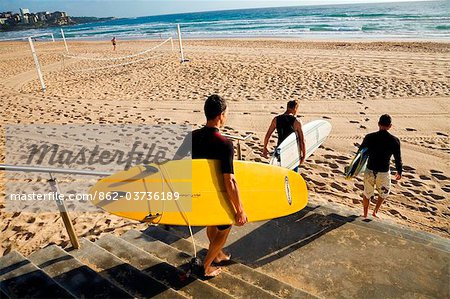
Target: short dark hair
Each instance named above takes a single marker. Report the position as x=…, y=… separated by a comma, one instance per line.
x=292, y=104
x=214, y=106
x=385, y=120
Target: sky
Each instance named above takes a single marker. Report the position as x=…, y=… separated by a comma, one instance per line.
x=136, y=8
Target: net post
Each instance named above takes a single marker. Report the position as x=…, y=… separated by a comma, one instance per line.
x=64, y=39
x=53, y=37
x=182, y=59
x=63, y=212
x=36, y=62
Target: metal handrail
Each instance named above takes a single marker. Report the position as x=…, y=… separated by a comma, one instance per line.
x=55, y=188
x=10, y=167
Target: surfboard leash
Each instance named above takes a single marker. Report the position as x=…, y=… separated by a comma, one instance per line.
x=195, y=262
x=167, y=179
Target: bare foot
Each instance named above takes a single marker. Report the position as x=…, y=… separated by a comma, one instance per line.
x=212, y=271
x=363, y=216
x=222, y=257
x=376, y=216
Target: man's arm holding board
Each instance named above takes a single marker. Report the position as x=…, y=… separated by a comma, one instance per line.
x=272, y=128
x=231, y=185
x=301, y=138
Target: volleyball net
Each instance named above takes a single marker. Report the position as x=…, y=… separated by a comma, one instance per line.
x=93, y=62
x=82, y=56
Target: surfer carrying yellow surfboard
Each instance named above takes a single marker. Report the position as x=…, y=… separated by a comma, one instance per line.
x=286, y=124
x=381, y=146
x=208, y=143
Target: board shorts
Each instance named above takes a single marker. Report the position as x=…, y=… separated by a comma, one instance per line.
x=380, y=180
x=223, y=227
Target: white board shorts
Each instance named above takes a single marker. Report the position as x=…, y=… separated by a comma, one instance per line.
x=380, y=180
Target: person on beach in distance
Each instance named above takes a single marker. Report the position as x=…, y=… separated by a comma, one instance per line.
x=381, y=146
x=113, y=41
x=208, y=143
x=286, y=124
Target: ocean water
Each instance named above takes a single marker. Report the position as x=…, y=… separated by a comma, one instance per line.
x=410, y=20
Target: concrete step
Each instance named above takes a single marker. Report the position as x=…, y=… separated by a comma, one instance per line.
x=159, y=269
x=128, y=277
x=344, y=214
x=74, y=276
x=19, y=278
x=330, y=256
x=225, y=281
x=236, y=269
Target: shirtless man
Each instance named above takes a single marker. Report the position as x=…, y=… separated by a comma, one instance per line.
x=113, y=41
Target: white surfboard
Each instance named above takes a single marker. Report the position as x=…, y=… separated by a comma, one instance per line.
x=358, y=165
x=287, y=153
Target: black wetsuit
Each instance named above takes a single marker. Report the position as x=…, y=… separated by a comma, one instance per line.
x=381, y=146
x=207, y=143
x=285, y=126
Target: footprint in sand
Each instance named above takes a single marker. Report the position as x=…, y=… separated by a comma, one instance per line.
x=445, y=189
x=436, y=197
x=354, y=122
x=338, y=187
x=424, y=177
x=333, y=165
x=326, y=117
x=441, y=134
x=394, y=212
x=411, y=130
x=408, y=168
x=425, y=210
x=359, y=186
x=356, y=201
x=440, y=176
x=416, y=183
x=317, y=183
x=416, y=191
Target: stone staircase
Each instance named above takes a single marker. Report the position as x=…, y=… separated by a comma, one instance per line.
x=137, y=264
x=323, y=250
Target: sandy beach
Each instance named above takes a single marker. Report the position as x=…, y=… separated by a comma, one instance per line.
x=347, y=83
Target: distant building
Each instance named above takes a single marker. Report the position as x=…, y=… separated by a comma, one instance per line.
x=16, y=18
x=58, y=14
x=7, y=14
x=24, y=12
x=42, y=15
x=32, y=18
x=26, y=19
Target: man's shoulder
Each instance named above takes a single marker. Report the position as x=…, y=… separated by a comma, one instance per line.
x=372, y=135
x=395, y=138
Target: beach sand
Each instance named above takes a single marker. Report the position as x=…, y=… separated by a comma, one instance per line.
x=349, y=84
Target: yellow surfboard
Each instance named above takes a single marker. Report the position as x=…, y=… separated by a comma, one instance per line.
x=183, y=192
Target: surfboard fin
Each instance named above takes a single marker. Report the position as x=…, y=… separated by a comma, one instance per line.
x=151, y=217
